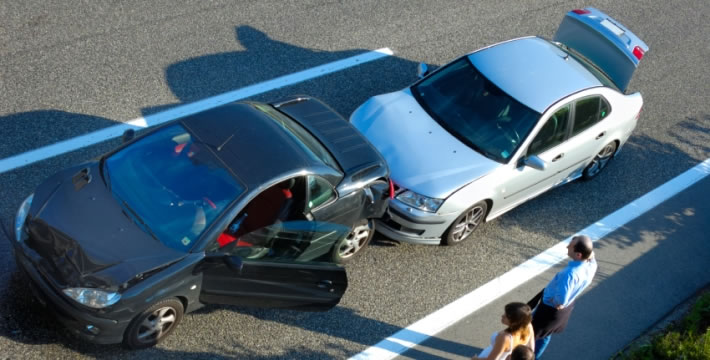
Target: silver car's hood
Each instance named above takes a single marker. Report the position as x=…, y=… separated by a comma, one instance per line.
x=422, y=156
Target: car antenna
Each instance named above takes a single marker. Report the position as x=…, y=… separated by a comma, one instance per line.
x=219, y=148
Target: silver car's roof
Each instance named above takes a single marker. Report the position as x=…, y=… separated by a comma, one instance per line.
x=533, y=71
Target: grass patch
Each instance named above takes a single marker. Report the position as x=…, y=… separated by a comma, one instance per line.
x=689, y=339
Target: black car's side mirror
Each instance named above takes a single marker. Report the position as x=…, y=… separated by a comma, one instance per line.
x=535, y=162
x=128, y=135
x=422, y=70
x=234, y=262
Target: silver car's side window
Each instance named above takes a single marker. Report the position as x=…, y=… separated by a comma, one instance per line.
x=588, y=111
x=552, y=133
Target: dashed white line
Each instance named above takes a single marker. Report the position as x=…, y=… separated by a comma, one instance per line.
x=439, y=320
x=32, y=156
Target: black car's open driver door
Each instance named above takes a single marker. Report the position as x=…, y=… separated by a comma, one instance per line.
x=284, y=265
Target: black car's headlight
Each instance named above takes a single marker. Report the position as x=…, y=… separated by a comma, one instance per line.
x=94, y=298
x=22, y=216
x=420, y=202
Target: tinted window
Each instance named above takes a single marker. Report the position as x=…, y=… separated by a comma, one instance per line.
x=586, y=114
x=552, y=133
x=475, y=111
x=320, y=192
x=172, y=186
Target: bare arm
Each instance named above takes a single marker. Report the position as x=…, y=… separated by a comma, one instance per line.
x=531, y=340
x=503, y=341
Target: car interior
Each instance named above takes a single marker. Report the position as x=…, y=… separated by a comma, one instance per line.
x=259, y=230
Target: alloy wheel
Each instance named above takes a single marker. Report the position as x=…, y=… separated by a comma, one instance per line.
x=468, y=223
x=156, y=324
x=354, y=241
x=601, y=160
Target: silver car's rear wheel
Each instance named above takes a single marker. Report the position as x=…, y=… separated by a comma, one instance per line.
x=465, y=224
x=600, y=161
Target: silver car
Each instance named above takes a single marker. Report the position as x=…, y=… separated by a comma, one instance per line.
x=499, y=126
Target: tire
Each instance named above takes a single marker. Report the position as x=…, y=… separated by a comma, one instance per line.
x=465, y=224
x=360, y=235
x=600, y=161
x=143, y=332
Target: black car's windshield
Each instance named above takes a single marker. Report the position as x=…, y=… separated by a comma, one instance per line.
x=475, y=110
x=172, y=186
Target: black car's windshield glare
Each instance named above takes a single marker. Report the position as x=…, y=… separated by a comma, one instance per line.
x=174, y=186
x=475, y=110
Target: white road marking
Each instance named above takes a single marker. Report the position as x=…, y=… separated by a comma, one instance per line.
x=437, y=321
x=32, y=156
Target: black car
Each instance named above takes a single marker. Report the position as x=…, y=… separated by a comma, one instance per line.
x=247, y=204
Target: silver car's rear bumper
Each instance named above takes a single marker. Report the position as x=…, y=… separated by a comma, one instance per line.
x=406, y=224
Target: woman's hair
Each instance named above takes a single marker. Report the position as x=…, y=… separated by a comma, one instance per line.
x=519, y=315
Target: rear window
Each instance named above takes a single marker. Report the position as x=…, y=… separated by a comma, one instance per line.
x=598, y=73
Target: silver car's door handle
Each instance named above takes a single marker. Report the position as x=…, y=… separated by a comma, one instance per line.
x=600, y=135
x=560, y=156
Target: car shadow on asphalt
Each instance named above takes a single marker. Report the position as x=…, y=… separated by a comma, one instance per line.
x=46, y=127
x=643, y=164
x=27, y=321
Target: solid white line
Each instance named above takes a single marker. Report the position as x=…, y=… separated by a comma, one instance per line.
x=437, y=321
x=29, y=157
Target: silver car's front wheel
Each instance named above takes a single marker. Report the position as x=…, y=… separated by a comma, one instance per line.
x=465, y=224
x=600, y=161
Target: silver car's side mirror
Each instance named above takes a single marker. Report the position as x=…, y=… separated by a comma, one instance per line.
x=535, y=162
x=422, y=70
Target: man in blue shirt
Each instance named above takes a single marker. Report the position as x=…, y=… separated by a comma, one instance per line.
x=553, y=312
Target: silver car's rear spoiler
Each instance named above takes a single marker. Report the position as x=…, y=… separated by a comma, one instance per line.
x=604, y=41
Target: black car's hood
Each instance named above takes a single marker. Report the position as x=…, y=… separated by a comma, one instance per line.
x=83, y=236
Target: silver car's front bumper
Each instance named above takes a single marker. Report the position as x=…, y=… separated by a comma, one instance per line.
x=406, y=224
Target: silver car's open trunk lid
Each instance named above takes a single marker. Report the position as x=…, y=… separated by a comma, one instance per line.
x=604, y=41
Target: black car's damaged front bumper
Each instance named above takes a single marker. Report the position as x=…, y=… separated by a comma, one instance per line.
x=80, y=322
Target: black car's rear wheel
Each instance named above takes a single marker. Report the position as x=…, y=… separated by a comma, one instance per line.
x=465, y=224
x=600, y=161
x=153, y=324
x=354, y=242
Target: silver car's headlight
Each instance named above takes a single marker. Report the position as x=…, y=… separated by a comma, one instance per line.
x=21, y=216
x=420, y=202
x=94, y=298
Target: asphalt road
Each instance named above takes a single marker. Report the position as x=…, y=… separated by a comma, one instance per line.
x=71, y=68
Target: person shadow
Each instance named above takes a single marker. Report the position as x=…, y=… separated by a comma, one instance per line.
x=264, y=58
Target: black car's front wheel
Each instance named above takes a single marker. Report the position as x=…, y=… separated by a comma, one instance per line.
x=354, y=242
x=600, y=161
x=465, y=224
x=153, y=324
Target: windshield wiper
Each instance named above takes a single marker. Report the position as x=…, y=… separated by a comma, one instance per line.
x=138, y=220
x=480, y=150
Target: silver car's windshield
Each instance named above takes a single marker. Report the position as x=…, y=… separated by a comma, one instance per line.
x=475, y=110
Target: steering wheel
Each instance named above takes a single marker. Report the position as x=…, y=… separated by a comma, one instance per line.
x=507, y=130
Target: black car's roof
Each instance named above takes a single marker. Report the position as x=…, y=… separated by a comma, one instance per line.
x=250, y=143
